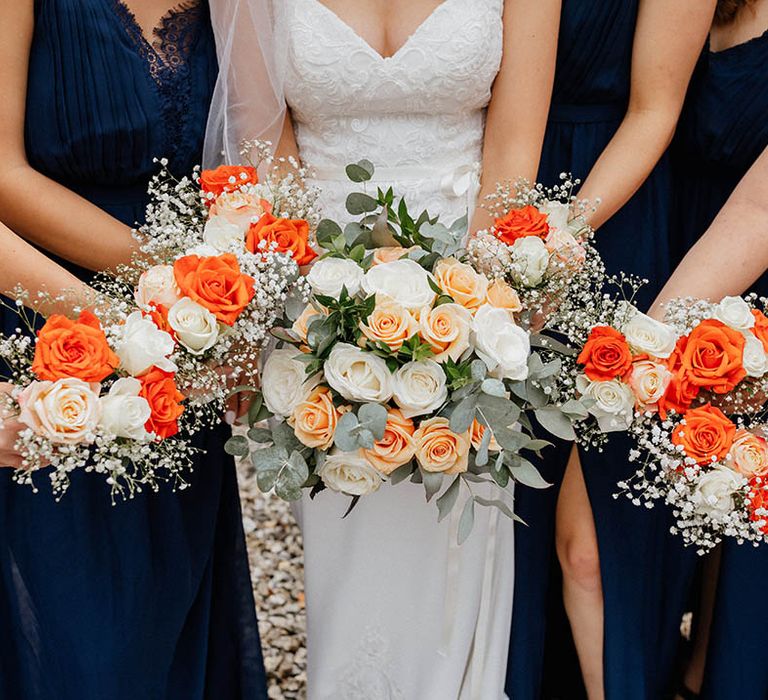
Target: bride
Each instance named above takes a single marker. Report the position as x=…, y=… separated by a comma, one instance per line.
x=433, y=93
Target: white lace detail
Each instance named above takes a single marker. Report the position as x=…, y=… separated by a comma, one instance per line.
x=424, y=106
x=370, y=673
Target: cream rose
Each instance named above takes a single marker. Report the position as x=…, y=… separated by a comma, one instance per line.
x=558, y=214
x=238, y=208
x=713, y=494
x=531, y=259
x=357, y=375
x=404, y=281
x=157, y=285
x=142, y=345
x=124, y=413
x=196, y=327
x=396, y=448
x=328, y=276
x=649, y=380
x=748, y=455
x=647, y=335
x=446, y=329
x=614, y=403
x=314, y=419
x=223, y=236
x=65, y=412
x=389, y=323
x=460, y=281
x=439, y=449
x=501, y=344
x=350, y=473
x=735, y=313
x=203, y=251
x=419, y=388
x=755, y=360
x=284, y=382
x=502, y=296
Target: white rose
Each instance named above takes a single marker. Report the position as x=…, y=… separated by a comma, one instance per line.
x=531, y=259
x=500, y=343
x=142, y=345
x=614, y=403
x=647, y=335
x=755, y=360
x=328, y=276
x=404, y=281
x=735, y=312
x=350, y=473
x=649, y=380
x=284, y=382
x=358, y=375
x=558, y=214
x=65, y=411
x=419, y=388
x=713, y=494
x=222, y=235
x=196, y=327
x=203, y=251
x=158, y=285
x=123, y=412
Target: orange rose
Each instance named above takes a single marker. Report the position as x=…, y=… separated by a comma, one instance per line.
x=77, y=349
x=711, y=356
x=158, y=314
x=396, y=448
x=227, y=178
x=606, y=355
x=216, y=283
x=705, y=433
x=758, y=500
x=314, y=420
x=164, y=399
x=678, y=397
x=760, y=328
x=439, y=450
x=289, y=235
x=519, y=223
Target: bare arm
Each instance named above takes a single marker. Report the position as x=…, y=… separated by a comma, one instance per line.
x=35, y=206
x=733, y=252
x=517, y=113
x=668, y=40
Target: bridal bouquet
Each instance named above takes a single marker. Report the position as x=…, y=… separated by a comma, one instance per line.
x=705, y=452
x=220, y=257
x=96, y=396
x=407, y=362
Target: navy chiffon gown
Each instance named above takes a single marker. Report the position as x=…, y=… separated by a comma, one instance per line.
x=722, y=131
x=645, y=571
x=150, y=598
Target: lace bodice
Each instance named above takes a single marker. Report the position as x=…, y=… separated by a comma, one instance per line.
x=417, y=115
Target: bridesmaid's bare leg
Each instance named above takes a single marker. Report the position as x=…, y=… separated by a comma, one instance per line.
x=582, y=587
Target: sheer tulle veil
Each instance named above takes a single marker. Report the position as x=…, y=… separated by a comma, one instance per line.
x=248, y=100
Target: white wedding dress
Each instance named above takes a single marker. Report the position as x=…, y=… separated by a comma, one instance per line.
x=396, y=609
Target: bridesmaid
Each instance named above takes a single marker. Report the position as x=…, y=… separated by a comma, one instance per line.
x=722, y=132
x=150, y=598
x=622, y=70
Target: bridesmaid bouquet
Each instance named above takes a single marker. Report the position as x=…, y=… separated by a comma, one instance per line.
x=98, y=397
x=407, y=362
x=220, y=258
x=705, y=452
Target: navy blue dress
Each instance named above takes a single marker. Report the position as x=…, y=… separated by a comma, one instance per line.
x=722, y=131
x=150, y=598
x=644, y=570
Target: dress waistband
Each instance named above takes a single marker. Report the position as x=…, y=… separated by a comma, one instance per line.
x=587, y=113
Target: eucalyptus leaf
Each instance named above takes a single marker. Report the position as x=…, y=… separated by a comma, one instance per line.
x=482, y=451
x=548, y=343
x=501, y=505
x=260, y=435
x=463, y=415
x=237, y=446
x=373, y=416
x=467, y=520
x=359, y=203
x=283, y=436
x=432, y=483
x=327, y=230
x=525, y=473
x=268, y=463
x=556, y=422
x=401, y=474
x=365, y=438
x=357, y=173
x=447, y=501
x=291, y=477
x=494, y=387
x=345, y=437
x=575, y=409
x=479, y=370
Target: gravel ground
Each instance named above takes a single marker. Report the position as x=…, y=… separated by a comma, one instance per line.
x=276, y=558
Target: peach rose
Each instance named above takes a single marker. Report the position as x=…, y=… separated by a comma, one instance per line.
x=502, y=296
x=520, y=223
x=79, y=349
x=389, y=254
x=649, y=380
x=446, y=328
x=396, y=448
x=227, y=178
x=439, y=449
x=476, y=433
x=705, y=434
x=389, y=323
x=288, y=236
x=460, y=281
x=748, y=455
x=240, y=208
x=301, y=324
x=605, y=355
x=314, y=420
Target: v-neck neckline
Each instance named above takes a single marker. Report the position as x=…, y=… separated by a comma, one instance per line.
x=411, y=37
